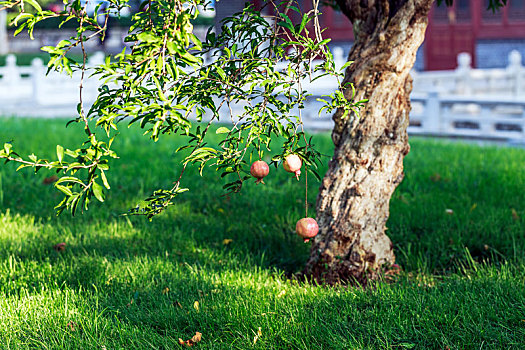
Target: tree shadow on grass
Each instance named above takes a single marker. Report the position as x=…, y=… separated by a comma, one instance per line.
x=203, y=229
x=260, y=221
x=262, y=228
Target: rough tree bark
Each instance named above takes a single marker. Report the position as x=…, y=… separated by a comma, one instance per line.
x=353, y=201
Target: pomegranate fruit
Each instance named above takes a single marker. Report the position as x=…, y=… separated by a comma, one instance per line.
x=307, y=228
x=292, y=164
x=259, y=170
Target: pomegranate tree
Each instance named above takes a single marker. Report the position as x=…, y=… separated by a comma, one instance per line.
x=178, y=79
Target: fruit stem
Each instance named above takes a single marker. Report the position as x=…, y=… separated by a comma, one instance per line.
x=305, y=191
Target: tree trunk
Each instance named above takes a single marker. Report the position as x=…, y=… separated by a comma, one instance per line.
x=353, y=201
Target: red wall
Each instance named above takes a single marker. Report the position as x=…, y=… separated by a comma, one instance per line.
x=451, y=30
x=456, y=29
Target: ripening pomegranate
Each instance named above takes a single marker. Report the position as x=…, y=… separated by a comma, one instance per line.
x=292, y=164
x=259, y=170
x=307, y=228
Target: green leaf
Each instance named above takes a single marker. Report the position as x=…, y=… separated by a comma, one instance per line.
x=159, y=89
x=60, y=153
x=324, y=42
x=304, y=21
x=35, y=4
x=73, y=203
x=286, y=25
x=148, y=37
x=196, y=42
x=173, y=48
x=7, y=148
x=21, y=16
x=222, y=130
x=104, y=179
x=286, y=18
x=346, y=65
x=64, y=190
x=97, y=191
x=69, y=179
x=188, y=57
x=221, y=73
x=71, y=153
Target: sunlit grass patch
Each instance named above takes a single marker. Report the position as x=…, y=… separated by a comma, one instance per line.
x=220, y=265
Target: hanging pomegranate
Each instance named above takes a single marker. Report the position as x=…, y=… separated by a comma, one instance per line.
x=307, y=228
x=292, y=164
x=259, y=170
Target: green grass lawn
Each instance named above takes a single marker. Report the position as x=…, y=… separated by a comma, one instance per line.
x=126, y=283
x=25, y=59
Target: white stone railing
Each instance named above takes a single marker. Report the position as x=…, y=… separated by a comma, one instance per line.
x=463, y=102
x=26, y=90
x=451, y=115
x=467, y=81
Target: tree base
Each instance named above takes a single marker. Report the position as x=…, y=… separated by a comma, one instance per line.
x=367, y=165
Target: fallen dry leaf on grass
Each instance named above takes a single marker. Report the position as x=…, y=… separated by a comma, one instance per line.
x=195, y=339
x=257, y=336
x=435, y=177
x=71, y=326
x=394, y=269
x=392, y=272
x=60, y=247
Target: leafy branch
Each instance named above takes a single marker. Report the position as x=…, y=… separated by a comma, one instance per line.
x=168, y=81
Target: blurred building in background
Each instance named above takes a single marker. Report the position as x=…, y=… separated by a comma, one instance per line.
x=467, y=26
